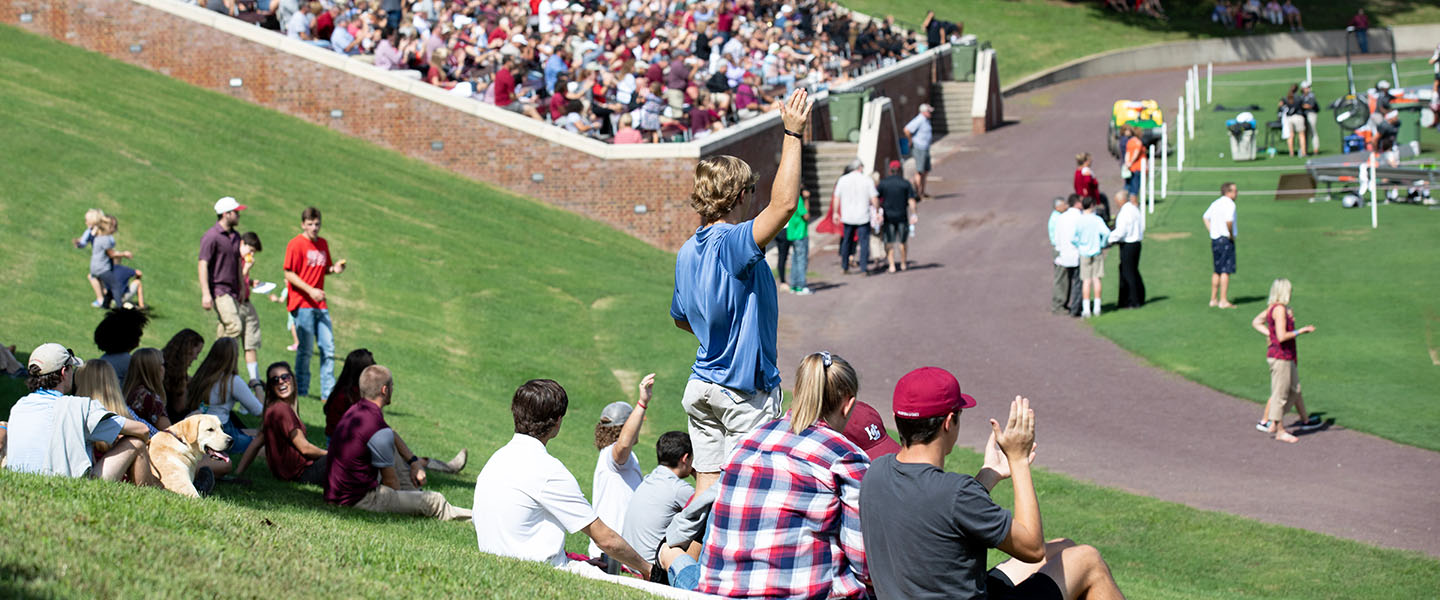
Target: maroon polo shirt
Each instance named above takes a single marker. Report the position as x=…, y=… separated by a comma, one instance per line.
x=349, y=474
x=220, y=249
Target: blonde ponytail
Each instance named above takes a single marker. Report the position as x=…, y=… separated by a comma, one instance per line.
x=822, y=383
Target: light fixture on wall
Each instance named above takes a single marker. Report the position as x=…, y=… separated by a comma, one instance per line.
x=26, y=17
x=537, y=177
x=336, y=113
x=641, y=209
x=235, y=82
x=136, y=48
x=437, y=145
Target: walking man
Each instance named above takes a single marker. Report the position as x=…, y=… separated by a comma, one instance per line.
x=729, y=304
x=856, y=195
x=919, y=133
x=897, y=201
x=307, y=261
x=1128, y=232
x=222, y=287
x=1220, y=222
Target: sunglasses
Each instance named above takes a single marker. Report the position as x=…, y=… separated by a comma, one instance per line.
x=281, y=377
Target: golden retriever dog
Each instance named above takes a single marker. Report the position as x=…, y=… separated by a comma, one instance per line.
x=176, y=452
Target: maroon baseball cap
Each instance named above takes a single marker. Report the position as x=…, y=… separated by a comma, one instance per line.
x=928, y=392
x=894, y=164
x=868, y=432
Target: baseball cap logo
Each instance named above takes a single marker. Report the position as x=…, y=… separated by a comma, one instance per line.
x=872, y=431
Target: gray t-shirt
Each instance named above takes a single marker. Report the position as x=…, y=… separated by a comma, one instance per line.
x=927, y=531
x=52, y=434
x=652, y=507
x=100, y=261
x=382, y=448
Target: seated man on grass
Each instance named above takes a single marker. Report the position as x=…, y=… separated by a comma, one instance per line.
x=53, y=433
x=362, y=466
x=525, y=499
x=661, y=496
x=927, y=531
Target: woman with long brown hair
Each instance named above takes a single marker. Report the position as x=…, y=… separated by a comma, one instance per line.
x=288, y=452
x=144, y=388
x=179, y=353
x=215, y=389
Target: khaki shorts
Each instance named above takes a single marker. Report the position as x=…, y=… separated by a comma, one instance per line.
x=1092, y=267
x=720, y=417
x=1284, y=387
x=237, y=320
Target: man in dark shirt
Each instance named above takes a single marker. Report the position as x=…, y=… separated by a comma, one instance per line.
x=897, y=201
x=927, y=531
x=936, y=31
x=221, y=287
x=362, y=466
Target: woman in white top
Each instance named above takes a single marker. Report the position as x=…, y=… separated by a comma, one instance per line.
x=214, y=390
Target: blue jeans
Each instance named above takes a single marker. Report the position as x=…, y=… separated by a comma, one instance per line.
x=847, y=246
x=1132, y=185
x=1362, y=38
x=239, y=442
x=684, y=573
x=312, y=325
x=801, y=248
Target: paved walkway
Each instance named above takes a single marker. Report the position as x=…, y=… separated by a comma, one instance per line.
x=977, y=304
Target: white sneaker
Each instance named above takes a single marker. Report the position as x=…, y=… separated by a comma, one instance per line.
x=805, y=291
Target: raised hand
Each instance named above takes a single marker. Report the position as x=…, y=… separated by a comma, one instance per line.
x=995, y=459
x=1018, y=438
x=647, y=385
x=796, y=111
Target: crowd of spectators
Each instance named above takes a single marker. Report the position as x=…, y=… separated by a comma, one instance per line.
x=625, y=71
x=1246, y=14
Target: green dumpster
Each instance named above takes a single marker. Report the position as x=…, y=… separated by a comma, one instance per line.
x=1409, y=125
x=845, y=111
x=963, y=55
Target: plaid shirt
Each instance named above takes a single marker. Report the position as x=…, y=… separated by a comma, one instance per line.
x=787, y=521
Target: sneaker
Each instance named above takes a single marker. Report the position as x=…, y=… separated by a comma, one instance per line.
x=1311, y=423
x=1263, y=426
x=292, y=347
x=804, y=291
x=204, y=481
x=97, y=303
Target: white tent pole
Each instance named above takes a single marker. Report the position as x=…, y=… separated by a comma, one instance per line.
x=1308, y=76
x=1374, y=206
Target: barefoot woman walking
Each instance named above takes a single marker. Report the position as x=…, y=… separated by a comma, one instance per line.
x=1277, y=323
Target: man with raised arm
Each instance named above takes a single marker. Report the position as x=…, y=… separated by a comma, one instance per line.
x=725, y=295
x=927, y=531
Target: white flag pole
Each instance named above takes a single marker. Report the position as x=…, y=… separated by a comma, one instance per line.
x=1209, y=83
x=1374, y=206
x=1164, y=161
x=1308, y=76
x=1141, y=191
x=1150, y=181
x=1180, y=138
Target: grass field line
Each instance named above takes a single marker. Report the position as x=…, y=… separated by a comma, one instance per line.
x=1291, y=80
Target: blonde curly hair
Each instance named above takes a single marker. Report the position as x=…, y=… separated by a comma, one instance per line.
x=720, y=183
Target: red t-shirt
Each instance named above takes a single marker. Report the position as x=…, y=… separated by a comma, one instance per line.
x=310, y=260
x=285, y=460
x=1085, y=183
x=324, y=25
x=504, y=87
x=655, y=72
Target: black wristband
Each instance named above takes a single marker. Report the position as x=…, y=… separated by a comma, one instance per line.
x=412, y=459
x=797, y=134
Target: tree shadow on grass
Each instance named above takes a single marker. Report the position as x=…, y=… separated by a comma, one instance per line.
x=13, y=579
x=1193, y=17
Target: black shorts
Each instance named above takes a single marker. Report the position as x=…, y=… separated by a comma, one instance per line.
x=1035, y=587
x=895, y=232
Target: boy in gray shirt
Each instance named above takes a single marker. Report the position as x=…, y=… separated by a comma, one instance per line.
x=660, y=496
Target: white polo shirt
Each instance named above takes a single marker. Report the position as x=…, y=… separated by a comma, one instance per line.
x=1221, y=211
x=1067, y=254
x=526, y=502
x=855, y=191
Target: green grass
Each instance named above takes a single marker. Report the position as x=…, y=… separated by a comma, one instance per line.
x=465, y=292
x=1033, y=35
x=1371, y=293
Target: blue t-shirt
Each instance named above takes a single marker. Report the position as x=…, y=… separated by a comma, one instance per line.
x=724, y=289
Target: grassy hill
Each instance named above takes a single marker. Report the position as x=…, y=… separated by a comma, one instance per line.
x=1033, y=35
x=466, y=292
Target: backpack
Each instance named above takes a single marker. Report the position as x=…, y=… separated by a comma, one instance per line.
x=717, y=83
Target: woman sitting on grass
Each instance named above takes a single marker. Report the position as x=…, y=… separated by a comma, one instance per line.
x=214, y=390
x=179, y=353
x=145, y=387
x=289, y=453
x=1277, y=323
x=96, y=380
x=347, y=388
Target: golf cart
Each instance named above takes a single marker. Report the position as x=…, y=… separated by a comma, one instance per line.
x=1144, y=115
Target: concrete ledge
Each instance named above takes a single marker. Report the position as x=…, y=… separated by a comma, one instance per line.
x=1252, y=48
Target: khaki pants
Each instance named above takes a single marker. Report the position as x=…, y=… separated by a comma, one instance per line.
x=237, y=320
x=383, y=499
x=1284, y=387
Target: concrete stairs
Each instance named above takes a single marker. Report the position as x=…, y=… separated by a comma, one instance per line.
x=822, y=164
x=952, y=110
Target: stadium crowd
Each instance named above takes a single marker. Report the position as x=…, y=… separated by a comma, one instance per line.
x=623, y=71
x=809, y=500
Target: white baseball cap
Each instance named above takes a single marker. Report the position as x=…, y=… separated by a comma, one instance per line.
x=227, y=204
x=615, y=412
x=52, y=357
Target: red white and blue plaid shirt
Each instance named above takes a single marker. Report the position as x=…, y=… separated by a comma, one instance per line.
x=786, y=523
